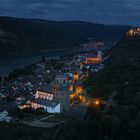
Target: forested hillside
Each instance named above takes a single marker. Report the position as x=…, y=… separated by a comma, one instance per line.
x=122, y=70
x=25, y=35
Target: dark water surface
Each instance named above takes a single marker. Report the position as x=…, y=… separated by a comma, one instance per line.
x=11, y=63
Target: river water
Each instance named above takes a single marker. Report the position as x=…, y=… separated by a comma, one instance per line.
x=11, y=63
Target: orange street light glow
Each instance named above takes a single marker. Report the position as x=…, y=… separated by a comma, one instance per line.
x=97, y=102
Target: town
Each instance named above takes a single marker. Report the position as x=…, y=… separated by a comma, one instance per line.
x=56, y=85
x=69, y=70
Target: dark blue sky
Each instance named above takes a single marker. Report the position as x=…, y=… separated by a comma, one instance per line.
x=101, y=11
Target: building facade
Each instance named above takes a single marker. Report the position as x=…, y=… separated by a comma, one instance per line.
x=94, y=60
x=61, y=91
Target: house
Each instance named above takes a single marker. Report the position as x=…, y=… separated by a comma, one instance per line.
x=47, y=105
x=45, y=92
x=44, y=99
x=76, y=76
x=22, y=103
x=4, y=116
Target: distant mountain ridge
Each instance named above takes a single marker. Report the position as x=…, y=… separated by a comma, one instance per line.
x=31, y=35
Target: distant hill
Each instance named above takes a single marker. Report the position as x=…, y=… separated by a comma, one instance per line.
x=29, y=35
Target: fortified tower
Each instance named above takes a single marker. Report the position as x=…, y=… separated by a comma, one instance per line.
x=61, y=91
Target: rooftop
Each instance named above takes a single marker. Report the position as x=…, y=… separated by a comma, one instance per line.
x=47, y=103
x=46, y=88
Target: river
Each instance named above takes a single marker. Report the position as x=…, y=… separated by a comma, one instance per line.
x=11, y=63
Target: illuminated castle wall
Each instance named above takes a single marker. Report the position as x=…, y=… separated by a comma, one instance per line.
x=133, y=32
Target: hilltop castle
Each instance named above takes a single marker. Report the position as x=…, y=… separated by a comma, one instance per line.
x=133, y=32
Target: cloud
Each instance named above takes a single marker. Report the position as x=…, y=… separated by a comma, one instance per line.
x=107, y=11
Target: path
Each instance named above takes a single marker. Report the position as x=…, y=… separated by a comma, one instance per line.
x=44, y=118
x=111, y=99
x=56, y=133
x=38, y=123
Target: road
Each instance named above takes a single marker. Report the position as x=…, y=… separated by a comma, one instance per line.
x=111, y=100
x=44, y=118
x=38, y=123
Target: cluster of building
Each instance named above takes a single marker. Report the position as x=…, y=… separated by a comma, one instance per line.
x=52, y=87
x=94, y=59
x=54, y=97
x=98, y=45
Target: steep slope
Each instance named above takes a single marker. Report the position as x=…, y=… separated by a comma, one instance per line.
x=123, y=65
x=122, y=71
x=127, y=48
x=25, y=35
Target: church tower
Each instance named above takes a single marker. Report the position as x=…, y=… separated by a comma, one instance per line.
x=99, y=56
x=61, y=91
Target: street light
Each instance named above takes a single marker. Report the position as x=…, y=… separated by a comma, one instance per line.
x=97, y=102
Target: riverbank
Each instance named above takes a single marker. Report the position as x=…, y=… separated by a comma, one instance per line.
x=11, y=63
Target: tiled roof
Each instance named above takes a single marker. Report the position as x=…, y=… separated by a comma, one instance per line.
x=46, y=88
x=46, y=103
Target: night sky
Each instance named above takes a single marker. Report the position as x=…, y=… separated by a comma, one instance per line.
x=99, y=11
